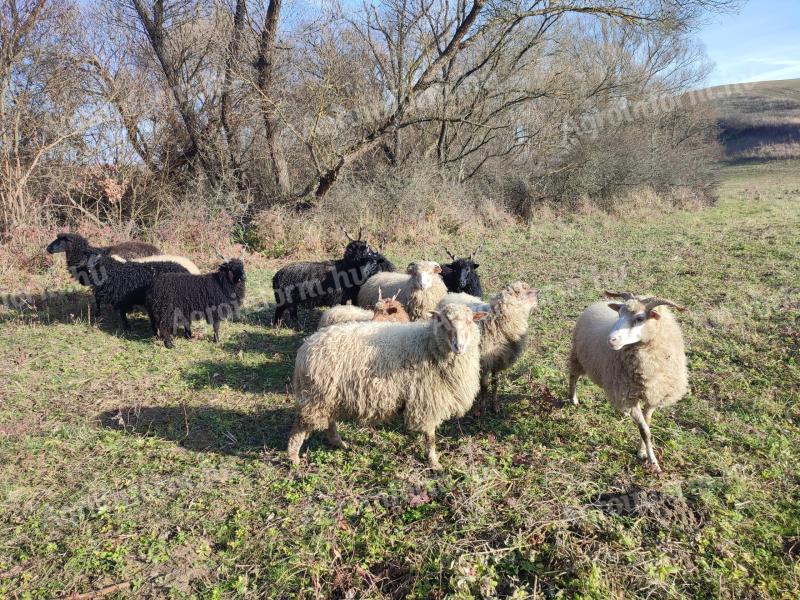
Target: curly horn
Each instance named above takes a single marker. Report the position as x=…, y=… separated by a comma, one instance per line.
x=623, y=295
x=651, y=303
x=450, y=254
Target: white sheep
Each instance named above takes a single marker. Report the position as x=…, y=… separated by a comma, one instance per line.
x=473, y=302
x=633, y=350
x=180, y=260
x=419, y=289
x=428, y=371
x=386, y=310
x=504, y=331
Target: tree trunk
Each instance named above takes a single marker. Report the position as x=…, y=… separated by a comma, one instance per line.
x=265, y=67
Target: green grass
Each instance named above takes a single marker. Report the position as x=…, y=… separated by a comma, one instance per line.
x=124, y=462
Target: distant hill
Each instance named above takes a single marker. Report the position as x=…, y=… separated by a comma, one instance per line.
x=760, y=121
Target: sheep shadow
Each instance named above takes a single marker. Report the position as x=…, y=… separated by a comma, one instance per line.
x=205, y=428
x=273, y=376
x=70, y=307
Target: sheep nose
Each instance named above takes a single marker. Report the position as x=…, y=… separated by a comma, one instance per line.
x=613, y=340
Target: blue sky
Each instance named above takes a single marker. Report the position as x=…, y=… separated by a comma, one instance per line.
x=760, y=42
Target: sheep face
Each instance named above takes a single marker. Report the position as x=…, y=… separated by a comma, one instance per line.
x=635, y=324
x=422, y=273
x=63, y=242
x=233, y=270
x=518, y=294
x=464, y=271
x=360, y=251
x=456, y=324
x=386, y=308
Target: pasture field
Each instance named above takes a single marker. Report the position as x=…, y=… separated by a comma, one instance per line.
x=163, y=473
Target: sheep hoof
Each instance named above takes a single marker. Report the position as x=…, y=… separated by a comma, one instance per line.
x=435, y=465
x=655, y=469
x=574, y=401
x=340, y=444
x=169, y=345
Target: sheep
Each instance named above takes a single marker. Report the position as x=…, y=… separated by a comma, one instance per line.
x=473, y=302
x=427, y=371
x=78, y=250
x=634, y=350
x=177, y=299
x=419, y=289
x=386, y=310
x=326, y=283
x=181, y=260
x=123, y=284
x=390, y=310
x=460, y=275
x=504, y=332
x=344, y=314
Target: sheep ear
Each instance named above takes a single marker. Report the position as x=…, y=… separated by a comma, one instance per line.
x=475, y=265
x=479, y=316
x=615, y=306
x=436, y=315
x=654, y=315
x=437, y=269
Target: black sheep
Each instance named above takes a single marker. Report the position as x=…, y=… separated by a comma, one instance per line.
x=78, y=250
x=326, y=283
x=123, y=285
x=177, y=299
x=460, y=275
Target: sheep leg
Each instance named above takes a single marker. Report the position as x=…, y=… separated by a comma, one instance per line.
x=166, y=334
x=575, y=372
x=123, y=315
x=296, y=438
x=277, y=317
x=334, y=439
x=480, y=405
x=648, y=414
x=644, y=431
x=216, y=330
x=430, y=447
x=152, y=316
x=495, y=385
x=187, y=330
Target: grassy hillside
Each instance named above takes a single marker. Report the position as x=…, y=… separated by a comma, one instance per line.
x=761, y=121
x=163, y=472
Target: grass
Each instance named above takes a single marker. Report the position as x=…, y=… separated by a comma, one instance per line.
x=122, y=462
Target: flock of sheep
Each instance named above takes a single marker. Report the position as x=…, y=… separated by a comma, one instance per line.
x=423, y=344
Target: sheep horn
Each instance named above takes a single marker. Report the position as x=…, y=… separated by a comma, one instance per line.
x=344, y=231
x=651, y=303
x=450, y=254
x=475, y=252
x=380, y=295
x=360, y=230
x=220, y=254
x=396, y=294
x=623, y=295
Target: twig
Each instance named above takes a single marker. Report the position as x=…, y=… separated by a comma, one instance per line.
x=117, y=587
